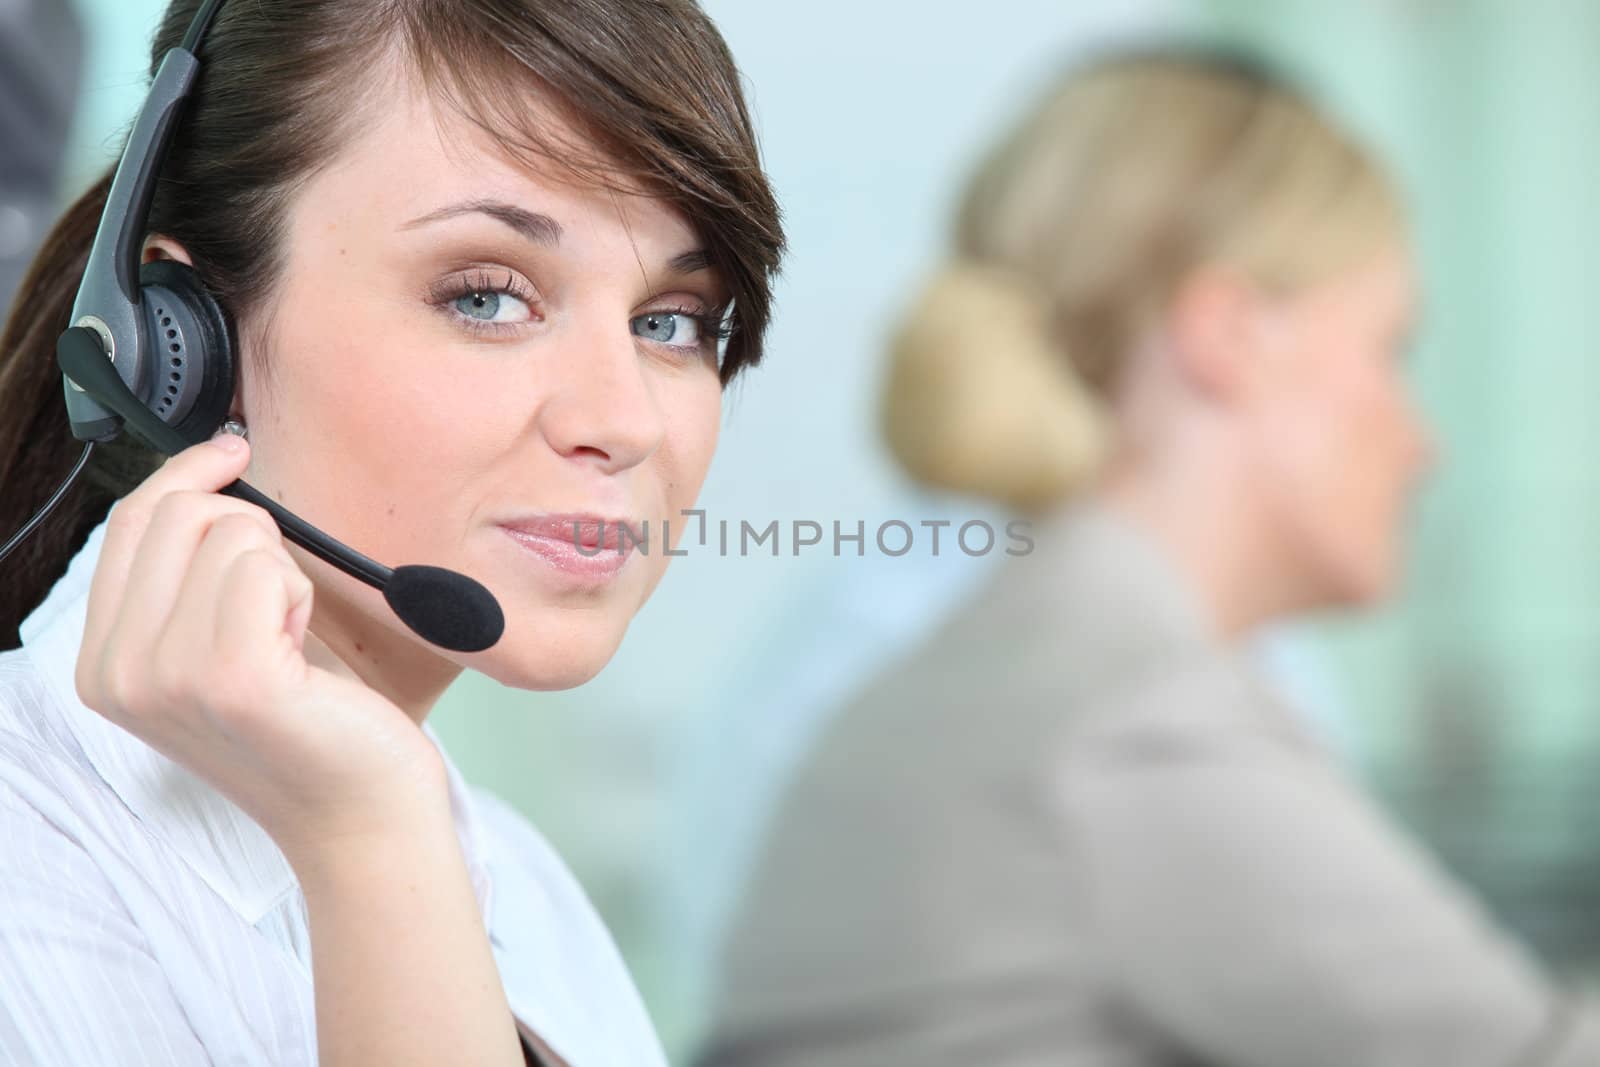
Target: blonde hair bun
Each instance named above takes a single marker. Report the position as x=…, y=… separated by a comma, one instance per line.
x=978, y=397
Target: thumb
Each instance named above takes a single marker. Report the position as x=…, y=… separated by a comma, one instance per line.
x=299, y=616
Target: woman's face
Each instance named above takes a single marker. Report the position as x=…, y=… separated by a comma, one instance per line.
x=1338, y=442
x=463, y=358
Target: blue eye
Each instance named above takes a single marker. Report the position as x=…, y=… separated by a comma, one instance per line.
x=486, y=306
x=675, y=328
x=489, y=303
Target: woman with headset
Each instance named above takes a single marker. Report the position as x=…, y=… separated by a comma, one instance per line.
x=1075, y=826
x=463, y=282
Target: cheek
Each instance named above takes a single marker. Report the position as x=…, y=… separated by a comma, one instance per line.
x=406, y=429
x=1341, y=451
x=1372, y=440
x=693, y=423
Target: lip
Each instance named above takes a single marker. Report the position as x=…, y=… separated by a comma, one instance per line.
x=585, y=546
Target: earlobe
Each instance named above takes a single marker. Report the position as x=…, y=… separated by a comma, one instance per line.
x=157, y=247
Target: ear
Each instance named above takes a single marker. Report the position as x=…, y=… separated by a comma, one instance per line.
x=1213, y=321
x=159, y=247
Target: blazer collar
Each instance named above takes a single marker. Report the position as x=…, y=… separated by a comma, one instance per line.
x=1102, y=577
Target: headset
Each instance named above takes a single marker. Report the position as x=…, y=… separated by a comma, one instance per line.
x=152, y=351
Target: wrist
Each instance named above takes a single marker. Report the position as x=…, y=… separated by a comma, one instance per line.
x=392, y=826
x=336, y=863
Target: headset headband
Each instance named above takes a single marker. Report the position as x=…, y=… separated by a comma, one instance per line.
x=108, y=300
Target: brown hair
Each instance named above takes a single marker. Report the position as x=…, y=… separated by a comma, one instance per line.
x=650, y=83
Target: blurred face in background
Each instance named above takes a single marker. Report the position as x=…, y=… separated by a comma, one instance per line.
x=1226, y=275
x=1335, y=443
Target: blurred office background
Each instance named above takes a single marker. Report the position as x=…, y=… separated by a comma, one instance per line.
x=1471, y=705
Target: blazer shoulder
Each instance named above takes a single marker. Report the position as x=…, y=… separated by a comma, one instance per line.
x=1204, y=704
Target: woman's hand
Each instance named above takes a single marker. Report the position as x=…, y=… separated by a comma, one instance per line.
x=196, y=642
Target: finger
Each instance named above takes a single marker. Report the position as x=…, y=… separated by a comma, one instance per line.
x=299, y=619
x=190, y=633
x=155, y=578
x=205, y=467
x=183, y=521
x=262, y=590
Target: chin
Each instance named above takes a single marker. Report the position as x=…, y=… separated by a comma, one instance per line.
x=1366, y=593
x=1364, y=580
x=542, y=675
x=550, y=657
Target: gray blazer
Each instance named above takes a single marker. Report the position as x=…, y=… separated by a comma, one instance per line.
x=1075, y=829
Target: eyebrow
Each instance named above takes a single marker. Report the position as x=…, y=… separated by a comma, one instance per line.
x=540, y=229
x=690, y=262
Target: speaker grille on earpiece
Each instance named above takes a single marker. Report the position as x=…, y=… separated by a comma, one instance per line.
x=177, y=362
x=186, y=372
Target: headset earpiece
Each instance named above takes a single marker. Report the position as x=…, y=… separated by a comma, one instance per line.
x=190, y=376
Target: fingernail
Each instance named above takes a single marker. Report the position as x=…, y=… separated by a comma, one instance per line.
x=228, y=442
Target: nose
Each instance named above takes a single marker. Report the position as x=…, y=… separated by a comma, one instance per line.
x=601, y=408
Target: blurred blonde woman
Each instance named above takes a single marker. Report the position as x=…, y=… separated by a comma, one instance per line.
x=1075, y=827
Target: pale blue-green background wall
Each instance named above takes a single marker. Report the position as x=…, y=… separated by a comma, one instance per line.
x=1471, y=703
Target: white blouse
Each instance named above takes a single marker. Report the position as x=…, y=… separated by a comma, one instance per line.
x=145, y=918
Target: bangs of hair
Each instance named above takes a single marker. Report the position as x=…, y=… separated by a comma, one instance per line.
x=650, y=104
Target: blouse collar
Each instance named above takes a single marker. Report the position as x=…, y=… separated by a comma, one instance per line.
x=226, y=848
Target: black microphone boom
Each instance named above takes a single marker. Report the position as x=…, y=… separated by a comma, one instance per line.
x=441, y=606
